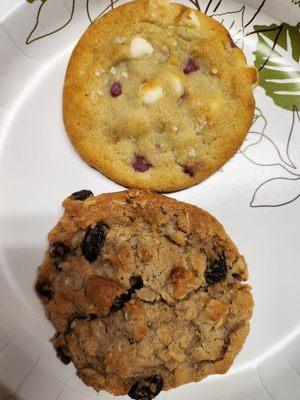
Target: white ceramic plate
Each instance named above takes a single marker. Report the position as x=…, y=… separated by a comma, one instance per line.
x=255, y=196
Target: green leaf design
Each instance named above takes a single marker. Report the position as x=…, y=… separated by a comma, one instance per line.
x=277, y=57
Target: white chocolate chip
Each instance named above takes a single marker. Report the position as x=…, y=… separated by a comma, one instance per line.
x=150, y=92
x=175, y=42
x=100, y=93
x=113, y=70
x=192, y=152
x=140, y=47
x=125, y=74
x=119, y=39
x=214, y=71
x=97, y=74
x=177, y=85
x=194, y=19
x=174, y=128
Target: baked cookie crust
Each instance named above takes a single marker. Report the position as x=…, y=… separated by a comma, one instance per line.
x=157, y=96
x=146, y=293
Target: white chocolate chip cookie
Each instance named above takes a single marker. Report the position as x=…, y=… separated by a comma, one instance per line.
x=172, y=80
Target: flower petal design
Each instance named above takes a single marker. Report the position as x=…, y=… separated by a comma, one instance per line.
x=47, y=16
x=264, y=152
x=276, y=192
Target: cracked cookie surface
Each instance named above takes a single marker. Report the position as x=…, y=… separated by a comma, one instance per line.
x=146, y=293
x=157, y=95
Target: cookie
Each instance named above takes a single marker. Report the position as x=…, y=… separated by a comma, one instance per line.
x=146, y=293
x=157, y=96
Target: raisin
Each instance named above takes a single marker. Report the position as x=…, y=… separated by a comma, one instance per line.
x=44, y=289
x=146, y=388
x=190, y=66
x=81, y=195
x=120, y=301
x=216, y=271
x=140, y=164
x=136, y=283
x=61, y=354
x=92, y=242
x=116, y=89
x=188, y=170
x=59, y=250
